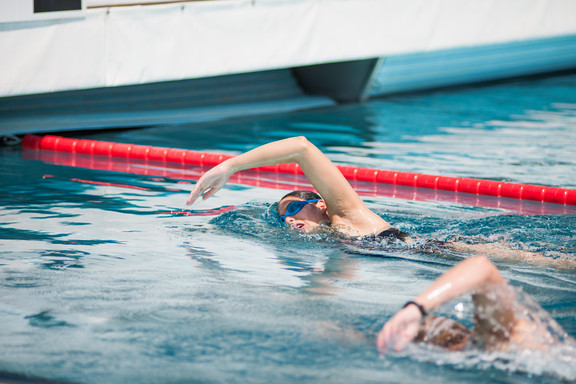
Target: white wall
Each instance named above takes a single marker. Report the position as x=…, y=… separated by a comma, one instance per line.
x=140, y=44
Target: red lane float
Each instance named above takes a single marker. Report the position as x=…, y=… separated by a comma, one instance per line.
x=168, y=172
x=189, y=157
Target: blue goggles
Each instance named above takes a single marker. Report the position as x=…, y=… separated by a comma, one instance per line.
x=295, y=207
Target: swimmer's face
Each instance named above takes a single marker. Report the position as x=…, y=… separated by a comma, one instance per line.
x=309, y=218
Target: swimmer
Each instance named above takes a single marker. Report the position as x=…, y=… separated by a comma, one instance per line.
x=500, y=322
x=336, y=205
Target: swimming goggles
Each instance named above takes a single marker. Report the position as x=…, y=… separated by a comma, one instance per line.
x=295, y=207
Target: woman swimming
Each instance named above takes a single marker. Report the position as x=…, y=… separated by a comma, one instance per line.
x=500, y=321
x=337, y=204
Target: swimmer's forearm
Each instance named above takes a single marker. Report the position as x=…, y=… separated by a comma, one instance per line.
x=474, y=275
x=292, y=150
x=468, y=276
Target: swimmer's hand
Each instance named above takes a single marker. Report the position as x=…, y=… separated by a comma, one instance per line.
x=401, y=329
x=210, y=183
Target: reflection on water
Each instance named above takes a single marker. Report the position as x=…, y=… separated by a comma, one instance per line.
x=521, y=148
x=105, y=276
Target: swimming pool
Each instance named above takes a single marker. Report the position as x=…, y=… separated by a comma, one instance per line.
x=103, y=281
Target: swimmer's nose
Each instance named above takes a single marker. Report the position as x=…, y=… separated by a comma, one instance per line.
x=290, y=220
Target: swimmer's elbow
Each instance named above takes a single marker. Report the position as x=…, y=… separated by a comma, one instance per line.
x=487, y=269
x=303, y=146
x=302, y=142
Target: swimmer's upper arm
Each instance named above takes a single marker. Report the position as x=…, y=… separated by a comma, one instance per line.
x=494, y=303
x=336, y=191
x=343, y=203
x=473, y=275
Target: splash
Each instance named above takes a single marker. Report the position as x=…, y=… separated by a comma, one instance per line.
x=555, y=356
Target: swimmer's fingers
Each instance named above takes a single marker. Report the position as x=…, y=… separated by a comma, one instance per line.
x=209, y=193
x=197, y=192
x=401, y=341
x=384, y=339
x=210, y=183
x=401, y=329
x=206, y=191
x=194, y=195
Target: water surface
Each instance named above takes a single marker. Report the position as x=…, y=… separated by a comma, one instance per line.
x=104, y=278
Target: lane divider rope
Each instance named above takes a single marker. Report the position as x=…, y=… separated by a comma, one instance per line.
x=188, y=157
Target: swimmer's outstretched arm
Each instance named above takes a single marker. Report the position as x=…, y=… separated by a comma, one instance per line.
x=319, y=170
x=474, y=275
x=503, y=252
x=340, y=197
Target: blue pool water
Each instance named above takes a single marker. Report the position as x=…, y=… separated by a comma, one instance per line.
x=102, y=280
